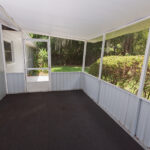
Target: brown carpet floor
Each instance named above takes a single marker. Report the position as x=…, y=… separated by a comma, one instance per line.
x=67, y=120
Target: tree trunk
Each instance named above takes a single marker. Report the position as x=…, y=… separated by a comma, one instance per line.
x=128, y=44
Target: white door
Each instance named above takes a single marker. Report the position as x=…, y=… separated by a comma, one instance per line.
x=37, y=71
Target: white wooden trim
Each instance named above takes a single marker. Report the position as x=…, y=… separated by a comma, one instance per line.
x=24, y=60
x=12, y=52
x=49, y=62
x=55, y=35
x=36, y=40
x=37, y=69
x=101, y=59
x=3, y=56
x=49, y=59
x=84, y=56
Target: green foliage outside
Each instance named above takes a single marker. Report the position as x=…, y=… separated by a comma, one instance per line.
x=40, y=60
x=123, y=71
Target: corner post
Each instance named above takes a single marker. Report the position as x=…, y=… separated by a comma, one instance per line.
x=101, y=58
x=84, y=56
x=142, y=80
x=49, y=62
x=24, y=61
x=3, y=56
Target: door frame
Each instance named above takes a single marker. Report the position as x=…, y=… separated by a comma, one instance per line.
x=26, y=69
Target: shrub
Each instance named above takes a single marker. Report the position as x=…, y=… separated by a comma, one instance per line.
x=42, y=58
x=123, y=71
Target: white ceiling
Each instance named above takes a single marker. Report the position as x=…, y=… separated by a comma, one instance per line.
x=76, y=19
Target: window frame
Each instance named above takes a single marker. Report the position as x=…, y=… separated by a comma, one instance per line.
x=11, y=51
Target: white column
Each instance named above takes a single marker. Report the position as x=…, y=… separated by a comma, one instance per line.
x=84, y=56
x=49, y=62
x=142, y=80
x=3, y=56
x=24, y=60
x=144, y=67
x=101, y=58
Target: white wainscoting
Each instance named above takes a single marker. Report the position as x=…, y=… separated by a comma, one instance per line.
x=2, y=85
x=62, y=81
x=90, y=85
x=120, y=104
x=15, y=83
x=143, y=129
x=43, y=86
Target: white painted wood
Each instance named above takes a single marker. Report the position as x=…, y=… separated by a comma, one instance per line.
x=84, y=56
x=49, y=61
x=15, y=83
x=24, y=61
x=143, y=128
x=3, y=56
x=15, y=38
x=2, y=72
x=101, y=59
x=90, y=86
x=62, y=81
x=25, y=64
x=122, y=105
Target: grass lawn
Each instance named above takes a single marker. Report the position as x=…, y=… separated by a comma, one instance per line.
x=67, y=69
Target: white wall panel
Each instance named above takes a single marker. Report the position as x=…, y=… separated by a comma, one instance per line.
x=65, y=81
x=2, y=85
x=38, y=86
x=143, y=130
x=90, y=86
x=15, y=37
x=2, y=74
x=15, y=83
x=121, y=104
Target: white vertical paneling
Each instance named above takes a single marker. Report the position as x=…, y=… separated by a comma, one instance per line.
x=15, y=83
x=121, y=104
x=38, y=86
x=90, y=86
x=143, y=128
x=65, y=81
x=2, y=84
x=3, y=87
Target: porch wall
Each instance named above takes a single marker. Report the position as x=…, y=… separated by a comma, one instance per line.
x=15, y=83
x=143, y=130
x=90, y=85
x=62, y=81
x=2, y=74
x=15, y=37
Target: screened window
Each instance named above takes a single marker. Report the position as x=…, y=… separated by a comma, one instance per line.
x=8, y=52
x=123, y=60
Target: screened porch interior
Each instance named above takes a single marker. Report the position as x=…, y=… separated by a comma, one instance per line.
x=55, y=98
